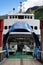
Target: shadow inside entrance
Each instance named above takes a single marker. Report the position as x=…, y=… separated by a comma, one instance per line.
x=20, y=55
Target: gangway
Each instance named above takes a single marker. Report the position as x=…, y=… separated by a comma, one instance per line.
x=21, y=62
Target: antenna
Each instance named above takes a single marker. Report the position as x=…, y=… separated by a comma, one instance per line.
x=12, y=11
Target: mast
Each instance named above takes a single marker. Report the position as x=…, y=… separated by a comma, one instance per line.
x=20, y=7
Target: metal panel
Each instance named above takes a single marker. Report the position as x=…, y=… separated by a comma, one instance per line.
x=0, y=39
x=41, y=24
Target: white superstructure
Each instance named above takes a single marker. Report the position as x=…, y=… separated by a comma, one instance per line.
x=21, y=17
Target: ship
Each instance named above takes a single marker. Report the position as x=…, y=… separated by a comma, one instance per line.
x=21, y=36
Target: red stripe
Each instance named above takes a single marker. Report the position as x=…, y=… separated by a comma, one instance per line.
x=1, y=29
x=1, y=24
x=0, y=39
x=41, y=24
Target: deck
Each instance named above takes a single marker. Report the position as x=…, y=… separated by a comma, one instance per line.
x=21, y=62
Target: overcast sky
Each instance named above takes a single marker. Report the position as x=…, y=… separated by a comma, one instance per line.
x=7, y=5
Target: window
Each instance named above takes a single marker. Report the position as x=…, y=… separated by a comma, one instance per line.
x=9, y=26
x=30, y=17
x=20, y=17
x=32, y=27
x=10, y=17
x=35, y=27
x=15, y=16
x=5, y=27
x=25, y=16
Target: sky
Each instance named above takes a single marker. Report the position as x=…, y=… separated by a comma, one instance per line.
x=6, y=6
x=31, y=3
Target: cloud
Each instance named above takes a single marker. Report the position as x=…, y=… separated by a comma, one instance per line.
x=30, y=3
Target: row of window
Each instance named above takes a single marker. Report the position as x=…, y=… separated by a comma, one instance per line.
x=8, y=27
x=20, y=17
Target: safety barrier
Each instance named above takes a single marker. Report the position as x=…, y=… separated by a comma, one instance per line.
x=2, y=56
x=41, y=57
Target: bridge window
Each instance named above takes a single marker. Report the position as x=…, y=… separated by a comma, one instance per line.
x=35, y=27
x=5, y=27
x=20, y=17
x=25, y=17
x=30, y=17
x=15, y=16
x=10, y=17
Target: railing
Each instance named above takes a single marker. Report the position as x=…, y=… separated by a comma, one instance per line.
x=40, y=56
x=2, y=56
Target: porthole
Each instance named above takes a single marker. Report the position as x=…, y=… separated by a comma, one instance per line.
x=35, y=27
x=9, y=26
x=5, y=27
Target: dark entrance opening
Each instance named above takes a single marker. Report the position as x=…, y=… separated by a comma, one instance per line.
x=20, y=30
x=21, y=45
x=21, y=27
